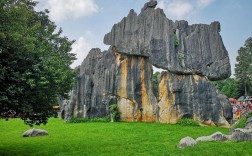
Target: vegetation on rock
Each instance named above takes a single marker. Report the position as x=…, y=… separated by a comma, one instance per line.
x=114, y=112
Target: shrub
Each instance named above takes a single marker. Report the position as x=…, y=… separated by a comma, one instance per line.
x=243, y=121
x=83, y=120
x=114, y=112
x=187, y=122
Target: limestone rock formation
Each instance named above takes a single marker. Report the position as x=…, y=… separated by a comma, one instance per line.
x=175, y=46
x=189, y=96
x=95, y=87
x=192, y=55
x=133, y=82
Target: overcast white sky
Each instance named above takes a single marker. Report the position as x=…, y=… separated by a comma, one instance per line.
x=87, y=21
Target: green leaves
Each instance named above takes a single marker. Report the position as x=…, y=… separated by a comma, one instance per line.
x=35, y=59
x=228, y=87
x=243, y=68
x=114, y=112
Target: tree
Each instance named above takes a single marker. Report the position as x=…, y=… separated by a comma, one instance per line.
x=243, y=68
x=35, y=59
x=228, y=87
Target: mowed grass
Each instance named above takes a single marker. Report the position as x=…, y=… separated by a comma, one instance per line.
x=117, y=139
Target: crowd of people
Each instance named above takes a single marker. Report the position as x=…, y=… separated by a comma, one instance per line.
x=242, y=105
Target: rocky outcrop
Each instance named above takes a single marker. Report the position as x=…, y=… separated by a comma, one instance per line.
x=175, y=46
x=95, y=88
x=189, y=96
x=240, y=134
x=191, y=55
x=133, y=87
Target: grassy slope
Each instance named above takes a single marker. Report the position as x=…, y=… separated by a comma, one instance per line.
x=112, y=139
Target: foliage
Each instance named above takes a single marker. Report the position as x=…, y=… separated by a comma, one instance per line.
x=242, y=123
x=155, y=85
x=187, y=122
x=243, y=120
x=176, y=40
x=228, y=87
x=35, y=119
x=243, y=68
x=119, y=138
x=35, y=59
x=83, y=120
x=114, y=112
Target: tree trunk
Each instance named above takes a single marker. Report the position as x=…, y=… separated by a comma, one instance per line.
x=245, y=88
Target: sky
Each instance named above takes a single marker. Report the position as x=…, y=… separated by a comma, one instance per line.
x=87, y=21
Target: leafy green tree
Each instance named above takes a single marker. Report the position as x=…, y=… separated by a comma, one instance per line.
x=35, y=59
x=243, y=68
x=228, y=87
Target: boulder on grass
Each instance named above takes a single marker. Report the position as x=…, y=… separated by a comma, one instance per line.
x=240, y=134
x=187, y=141
x=35, y=132
x=218, y=136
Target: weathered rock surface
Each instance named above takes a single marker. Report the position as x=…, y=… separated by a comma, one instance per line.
x=187, y=141
x=95, y=88
x=133, y=85
x=35, y=132
x=175, y=46
x=240, y=134
x=218, y=136
x=95, y=85
x=190, y=96
x=191, y=55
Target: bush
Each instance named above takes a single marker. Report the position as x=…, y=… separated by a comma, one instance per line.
x=187, y=122
x=243, y=121
x=114, y=112
x=83, y=120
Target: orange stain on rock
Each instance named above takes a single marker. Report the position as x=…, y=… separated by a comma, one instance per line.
x=147, y=106
x=168, y=112
x=124, y=75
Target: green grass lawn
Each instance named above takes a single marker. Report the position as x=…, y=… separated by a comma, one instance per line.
x=112, y=139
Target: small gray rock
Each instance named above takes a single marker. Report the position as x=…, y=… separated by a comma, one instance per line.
x=35, y=132
x=187, y=141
